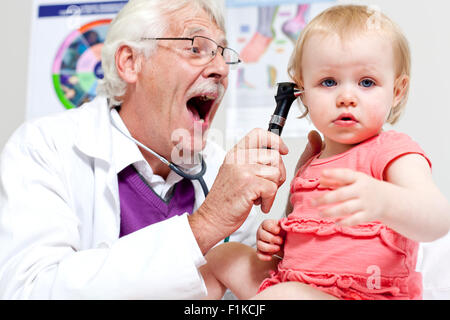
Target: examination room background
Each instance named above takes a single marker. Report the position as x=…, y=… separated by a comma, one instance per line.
x=426, y=117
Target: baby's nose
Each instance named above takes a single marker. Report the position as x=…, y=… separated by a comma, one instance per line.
x=346, y=99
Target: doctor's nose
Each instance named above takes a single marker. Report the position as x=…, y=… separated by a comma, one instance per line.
x=217, y=69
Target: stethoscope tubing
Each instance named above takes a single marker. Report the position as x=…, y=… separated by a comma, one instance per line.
x=197, y=176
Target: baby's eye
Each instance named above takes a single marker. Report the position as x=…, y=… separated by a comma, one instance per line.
x=367, y=83
x=328, y=83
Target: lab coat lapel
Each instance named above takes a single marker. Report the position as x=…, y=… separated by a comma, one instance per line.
x=94, y=134
x=94, y=140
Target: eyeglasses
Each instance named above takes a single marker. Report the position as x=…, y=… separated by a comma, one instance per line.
x=202, y=50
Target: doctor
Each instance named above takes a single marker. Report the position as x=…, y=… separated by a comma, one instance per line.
x=86, y=213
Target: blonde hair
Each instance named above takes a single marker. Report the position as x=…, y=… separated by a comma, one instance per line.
x=144, y=19
x=347, y=21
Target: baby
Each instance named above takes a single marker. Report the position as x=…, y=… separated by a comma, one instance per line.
x=362, y=205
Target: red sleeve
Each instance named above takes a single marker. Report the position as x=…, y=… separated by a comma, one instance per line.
x=390, y=146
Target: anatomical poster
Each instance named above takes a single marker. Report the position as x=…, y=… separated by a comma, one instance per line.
x=264, y=34
x=65, y=53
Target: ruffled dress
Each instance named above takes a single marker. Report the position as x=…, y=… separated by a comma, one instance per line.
x=367, y=261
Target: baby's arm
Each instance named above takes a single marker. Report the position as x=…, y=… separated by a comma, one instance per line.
x=408, y=201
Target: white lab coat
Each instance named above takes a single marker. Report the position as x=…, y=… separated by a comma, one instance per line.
x=60, y=219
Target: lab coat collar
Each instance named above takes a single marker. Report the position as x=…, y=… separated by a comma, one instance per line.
x=94, y=133
x=125, y=152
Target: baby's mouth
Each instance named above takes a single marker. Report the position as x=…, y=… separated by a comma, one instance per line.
x=345, y=119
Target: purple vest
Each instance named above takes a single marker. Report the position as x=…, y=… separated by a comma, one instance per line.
x=141, y=207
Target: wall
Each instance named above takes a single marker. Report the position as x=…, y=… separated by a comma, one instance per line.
x=15, y=19
x=426, y=118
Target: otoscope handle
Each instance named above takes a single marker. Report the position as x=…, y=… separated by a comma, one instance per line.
x=284, y=99
x=275, y=128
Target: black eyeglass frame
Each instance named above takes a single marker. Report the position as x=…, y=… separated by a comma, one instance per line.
x=192, y=42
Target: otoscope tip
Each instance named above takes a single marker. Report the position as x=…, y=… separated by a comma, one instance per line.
x=298, y=92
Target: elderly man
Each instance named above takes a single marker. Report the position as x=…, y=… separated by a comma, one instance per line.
x=85, y=212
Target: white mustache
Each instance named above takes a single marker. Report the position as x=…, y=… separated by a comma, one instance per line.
x=207, y=87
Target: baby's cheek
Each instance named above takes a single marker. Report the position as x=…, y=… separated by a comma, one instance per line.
x=319, y=117
x=377, y=115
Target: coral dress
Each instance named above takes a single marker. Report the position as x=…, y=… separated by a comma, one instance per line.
x=367, y=261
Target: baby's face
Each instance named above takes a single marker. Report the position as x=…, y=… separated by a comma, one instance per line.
x=349, y=86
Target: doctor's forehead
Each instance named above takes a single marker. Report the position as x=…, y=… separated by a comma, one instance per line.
x=216, y=34
x=190, y=21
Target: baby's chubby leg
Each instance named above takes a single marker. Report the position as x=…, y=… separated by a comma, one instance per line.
x=292, y=291
x=235, y=266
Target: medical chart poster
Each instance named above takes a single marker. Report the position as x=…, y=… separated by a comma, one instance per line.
x=65, y=48
x=264, y=32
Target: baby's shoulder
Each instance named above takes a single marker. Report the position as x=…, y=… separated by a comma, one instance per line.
x=390, y=146
x=393, y=135
x=389, y=140
x=388, y=137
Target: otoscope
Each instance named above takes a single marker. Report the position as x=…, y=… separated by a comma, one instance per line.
x=286, y=94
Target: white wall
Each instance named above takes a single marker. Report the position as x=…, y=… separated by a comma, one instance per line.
x=15, y=19
x=426, y=118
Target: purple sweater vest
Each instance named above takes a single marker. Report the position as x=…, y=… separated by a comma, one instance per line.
x=141, y=207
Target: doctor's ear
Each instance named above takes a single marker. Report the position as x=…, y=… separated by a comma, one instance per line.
x=127, y=63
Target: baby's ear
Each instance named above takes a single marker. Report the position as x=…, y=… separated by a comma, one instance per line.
x=299, y=85
x=401, y=86
x=302, y=103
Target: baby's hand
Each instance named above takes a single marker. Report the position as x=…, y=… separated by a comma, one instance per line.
x=269, y=239
x=357, y=197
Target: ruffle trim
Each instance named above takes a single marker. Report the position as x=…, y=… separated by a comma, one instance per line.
x=342, y=286
x=301, y=184
x=323, y=227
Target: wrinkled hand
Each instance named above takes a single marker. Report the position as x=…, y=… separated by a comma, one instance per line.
x=269, y=239
x=356, y=198
x=250, y=174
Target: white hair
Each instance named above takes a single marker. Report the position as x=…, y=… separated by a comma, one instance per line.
x=143, y=19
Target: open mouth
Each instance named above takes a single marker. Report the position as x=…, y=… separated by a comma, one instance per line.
x=200, y=106
x=345, y=119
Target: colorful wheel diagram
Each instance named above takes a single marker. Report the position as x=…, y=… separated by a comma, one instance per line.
x=77, y=65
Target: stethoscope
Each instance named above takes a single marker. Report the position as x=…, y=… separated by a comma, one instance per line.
x=197, y=176
x=286, y=94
